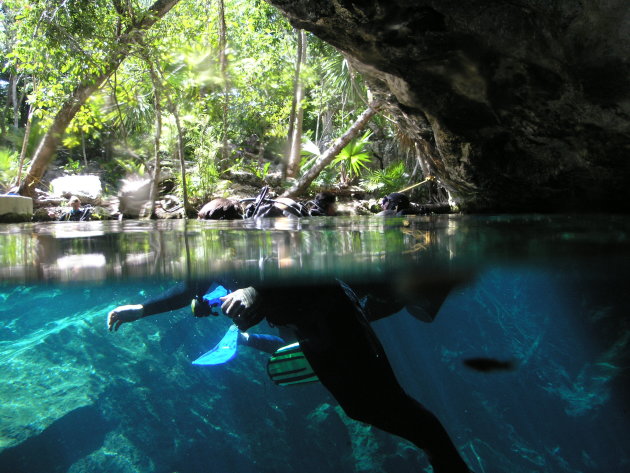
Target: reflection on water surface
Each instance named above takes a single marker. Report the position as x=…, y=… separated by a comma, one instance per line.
x=306, y=248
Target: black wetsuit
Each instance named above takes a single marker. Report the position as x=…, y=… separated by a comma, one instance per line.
x=177, y=297
x=349, y=360
x=339, y=343
x=78, y=215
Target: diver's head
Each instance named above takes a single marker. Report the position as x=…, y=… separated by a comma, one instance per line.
x=326, y=202
x=395, y=201
x=74, y=202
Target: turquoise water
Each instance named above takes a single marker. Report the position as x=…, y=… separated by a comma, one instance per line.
x=549, y=295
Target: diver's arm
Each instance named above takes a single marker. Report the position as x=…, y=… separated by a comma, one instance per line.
x=124, y=314
x=422, y=299
x=177, y=297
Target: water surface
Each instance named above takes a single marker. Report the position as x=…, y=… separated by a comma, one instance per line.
x=547, y=294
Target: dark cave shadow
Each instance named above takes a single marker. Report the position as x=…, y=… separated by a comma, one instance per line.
x=60, y=445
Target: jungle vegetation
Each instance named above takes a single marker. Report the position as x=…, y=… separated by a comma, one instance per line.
x=197, y=89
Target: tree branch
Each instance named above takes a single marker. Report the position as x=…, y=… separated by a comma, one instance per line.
x=326, y=158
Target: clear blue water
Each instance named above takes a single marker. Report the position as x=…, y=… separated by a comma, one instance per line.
x=549, y=294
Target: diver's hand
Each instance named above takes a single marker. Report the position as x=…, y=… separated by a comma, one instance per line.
x=240, y=306
x=123, y=314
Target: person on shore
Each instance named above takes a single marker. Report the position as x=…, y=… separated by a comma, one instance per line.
x=221, y=209
x=76, y=212
x=395, y=204
x=323, y=205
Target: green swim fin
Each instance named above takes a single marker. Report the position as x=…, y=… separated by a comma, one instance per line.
x=288, y=365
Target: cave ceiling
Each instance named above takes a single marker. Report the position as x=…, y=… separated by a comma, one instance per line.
x=513, y=105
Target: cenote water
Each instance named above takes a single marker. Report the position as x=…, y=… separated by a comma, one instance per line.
x=540, y=302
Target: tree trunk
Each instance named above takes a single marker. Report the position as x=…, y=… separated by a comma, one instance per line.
x=120, y=115
x=296, y=117
x=27, y=135
x=172, y=108
x=226, y=86
x=326, y=158
x=3, y=117
x=180, y=154
x=157, y=168
x=16, y=102
x=47, y=147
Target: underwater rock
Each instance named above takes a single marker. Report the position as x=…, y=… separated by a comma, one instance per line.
x=43, y=383
x=56, y=450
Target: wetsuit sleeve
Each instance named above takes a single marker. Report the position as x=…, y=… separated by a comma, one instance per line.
x=264, y=342
x=378, y=307
x=175, y=298
x=423, y=301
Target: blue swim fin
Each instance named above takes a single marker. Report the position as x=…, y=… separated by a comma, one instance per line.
x=224, y=350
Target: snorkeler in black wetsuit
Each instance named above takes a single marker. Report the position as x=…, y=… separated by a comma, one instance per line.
x=76, y=212
x=395, y=204
x=349, y=360
x=333, y=329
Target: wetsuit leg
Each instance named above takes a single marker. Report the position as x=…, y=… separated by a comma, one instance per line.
x=351, y=363
x=263, y=342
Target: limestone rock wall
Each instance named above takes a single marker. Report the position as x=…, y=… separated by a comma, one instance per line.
x=515, y=105
x=15, y=208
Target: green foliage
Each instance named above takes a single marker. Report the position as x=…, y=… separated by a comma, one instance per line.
x=131, y=166
x=87, y=122
x=262, y=55
x=203, y=179
x=337, y=93
x=252, y=167
x=385, y=181
x=8, y=167
x=263, y=171
x=328, y=178
x=72, y=166
x=202, y=183
x=353, y=158
x=310, y=153
x=56, y=46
